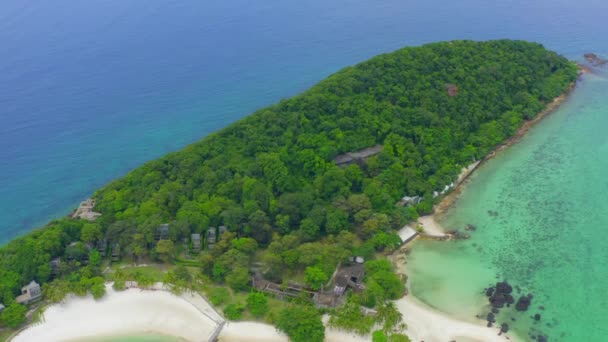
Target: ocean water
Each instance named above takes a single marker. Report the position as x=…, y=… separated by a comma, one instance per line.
x=91, y=89
x=548, y=237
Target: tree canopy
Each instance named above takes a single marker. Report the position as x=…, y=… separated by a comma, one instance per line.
x=271, y=179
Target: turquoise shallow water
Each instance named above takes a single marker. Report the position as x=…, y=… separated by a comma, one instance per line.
x=548, y=237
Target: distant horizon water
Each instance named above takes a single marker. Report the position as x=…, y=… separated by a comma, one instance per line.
x=90, y=90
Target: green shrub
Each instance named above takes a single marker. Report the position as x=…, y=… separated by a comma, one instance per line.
x=257, y=303
x=219, y=296
x=234, y=311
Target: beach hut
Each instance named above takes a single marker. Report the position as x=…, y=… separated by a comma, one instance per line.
x=102, y=247
x=162, y=232
x=55, y=264
x=29, y=293
x=196, y=242
x=410, y=200
x=222, y=230
x=406, y=234
x=211, y=237
x=116, y=252
x=351, y=276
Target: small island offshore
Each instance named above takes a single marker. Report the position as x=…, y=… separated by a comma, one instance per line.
x=289, y=216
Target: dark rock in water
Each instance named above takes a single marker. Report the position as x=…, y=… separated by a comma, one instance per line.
x=500, y=295
x=458, y=235
x=523, y=303
x=541, y=307
x=489, y=325
x=470, y=227
x=542, y=338
x=498, y=300
x=495, y=310
x=537, y=317
x=594, y=59
x=513, y=319
x=504, y=287
x=491, y=318
x=504, y=328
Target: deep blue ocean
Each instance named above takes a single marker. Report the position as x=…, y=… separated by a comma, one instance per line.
x=91, y=89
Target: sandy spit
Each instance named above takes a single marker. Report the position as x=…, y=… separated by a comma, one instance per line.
x=128, y=312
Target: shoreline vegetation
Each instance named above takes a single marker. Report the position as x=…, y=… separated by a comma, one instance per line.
x=441, y=326
x=290, y=216
x=448, y=200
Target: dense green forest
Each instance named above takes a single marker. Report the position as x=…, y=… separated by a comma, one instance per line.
x=271, y=179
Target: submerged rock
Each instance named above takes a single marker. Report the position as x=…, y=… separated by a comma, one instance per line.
x=491, y=318
x=537, y=317
x=470, y=227
x=523, y=303
x=504, y=287
x=504, y=328
x=594, y=59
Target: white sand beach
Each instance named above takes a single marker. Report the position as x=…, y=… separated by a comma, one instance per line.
x=132, y=311
x=189, y=317
x=429, y=325
x=430, y=226
x=260, y=332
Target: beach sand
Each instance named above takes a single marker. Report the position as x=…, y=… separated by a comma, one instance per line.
x=129, y=312
x=429, y=325
x=189, y=317
x=430, y=226
x=260, y=332
x=423, y=322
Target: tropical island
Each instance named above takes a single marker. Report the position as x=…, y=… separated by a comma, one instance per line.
x=290, y=214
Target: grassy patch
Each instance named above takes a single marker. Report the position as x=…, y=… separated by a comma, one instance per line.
x=5, y=334
x=152, y=273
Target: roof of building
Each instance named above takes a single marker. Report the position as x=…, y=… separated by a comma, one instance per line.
x=32, y=285
x=358, y=155
x=406, y=234
x=348, y=274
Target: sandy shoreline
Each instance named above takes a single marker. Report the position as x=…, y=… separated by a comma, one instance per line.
x=425, y=323
x=137, y=312
x=128, y=312
x=449, y=199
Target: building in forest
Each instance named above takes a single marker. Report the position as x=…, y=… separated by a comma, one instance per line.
x=196, y=242
x=211, y=237
x=85, y=211
x=29, y=293
x=115, y=252
x=358, y=156
x=162, y=232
